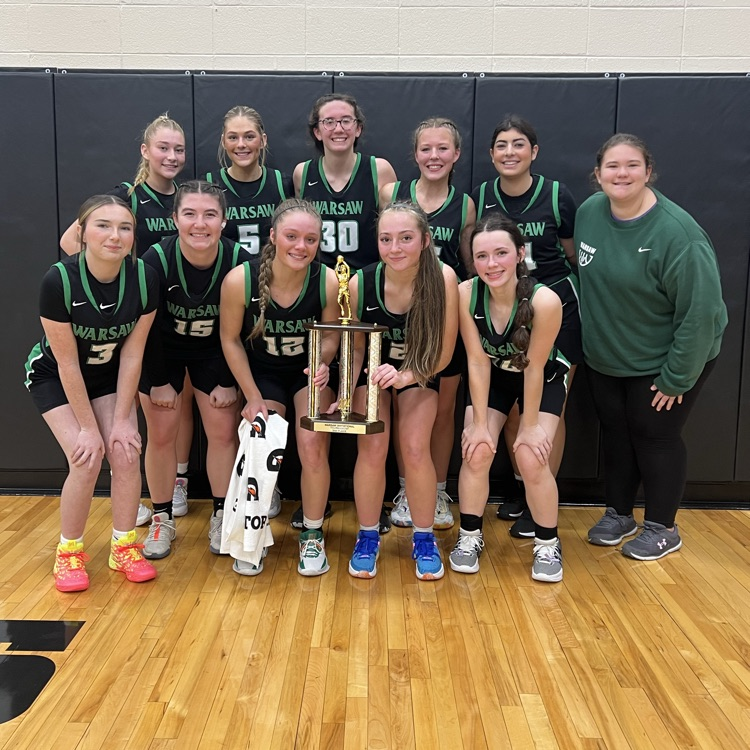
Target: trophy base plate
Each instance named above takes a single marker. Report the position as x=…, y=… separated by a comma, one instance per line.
x=356, y=424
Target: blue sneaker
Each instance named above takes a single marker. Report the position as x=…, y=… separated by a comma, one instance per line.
x=365, y=555
x=426, y=553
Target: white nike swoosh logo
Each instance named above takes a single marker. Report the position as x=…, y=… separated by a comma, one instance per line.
x=76, y=304
x=644, y=249
x=174, y=286
x=254, y=299
x=146, y=201
x=310, y=184
x=104, y=307
x=370, y=309
x=492, y=205
x=479, y=317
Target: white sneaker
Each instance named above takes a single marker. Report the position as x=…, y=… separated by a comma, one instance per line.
x=248, y=569
x=161, y=534
x=443, y=515
x=179, y=497
x=401, y=515
x=214, y=531
x=275, y=508
x=312, y=553
x=144, y=515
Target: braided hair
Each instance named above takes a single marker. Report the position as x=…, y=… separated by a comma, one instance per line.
x=265, y=270
x=521, y=331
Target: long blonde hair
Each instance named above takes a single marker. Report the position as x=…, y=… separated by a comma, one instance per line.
x=265, y=270
x=162, y=121
x=247, y=113
x=425, y=319
x=92, y=204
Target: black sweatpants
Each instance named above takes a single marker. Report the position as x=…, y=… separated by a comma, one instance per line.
x=642, y=445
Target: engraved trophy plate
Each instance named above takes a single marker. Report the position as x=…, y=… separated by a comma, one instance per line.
x=344, y=420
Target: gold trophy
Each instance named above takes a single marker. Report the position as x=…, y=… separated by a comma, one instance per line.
x=344, y=420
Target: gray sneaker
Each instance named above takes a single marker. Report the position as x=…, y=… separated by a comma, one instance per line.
x=465, y=555
x=653, y=542
x=547, y=562
x=179, y=497
x=275, y=508
x=161, y=534
x=214, y=532
x=612, y=529
x=248, y=569
x=144, y=515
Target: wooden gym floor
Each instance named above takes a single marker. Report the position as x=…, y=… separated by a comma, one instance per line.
x=620, y=654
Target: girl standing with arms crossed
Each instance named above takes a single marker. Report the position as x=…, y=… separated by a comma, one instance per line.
x=266, y=305
x=545, y=213
x=151, y=198
x=185, y=340
x=96, y=309
x=509, y=326
x=415, y=296
x=437, y=148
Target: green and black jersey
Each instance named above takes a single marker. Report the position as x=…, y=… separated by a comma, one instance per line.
x=349, y=216
x=250, y=206
x=446, y=223
x=545, y=213
x=285, y=341
x=101, y=315
x=153, y=214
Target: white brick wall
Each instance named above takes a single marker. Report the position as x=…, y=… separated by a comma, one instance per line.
x=380, y=35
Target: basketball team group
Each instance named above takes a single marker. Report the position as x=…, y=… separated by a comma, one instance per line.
x=170, y=294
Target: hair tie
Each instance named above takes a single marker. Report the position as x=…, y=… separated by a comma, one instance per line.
x=524, y=299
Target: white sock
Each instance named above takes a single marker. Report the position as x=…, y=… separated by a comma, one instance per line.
x=441, y=486
x=376, y=527
x=422, y=530
x=310, y=524
x=402, y=483
x=118, y=534
x=183, y=468
x=64, y=540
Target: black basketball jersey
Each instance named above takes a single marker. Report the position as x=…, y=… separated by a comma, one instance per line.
x=102, y=315
x=497, y=344
x=250, y=206
x=189, y=305
x=446, y=223
x=284, y=343
x=371, y=309
x=349, y=216
x=544, y=213
x=153, y=214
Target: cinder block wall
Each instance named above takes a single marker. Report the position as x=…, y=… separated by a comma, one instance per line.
x=562, y=36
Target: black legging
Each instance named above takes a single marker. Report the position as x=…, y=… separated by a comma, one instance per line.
x=641, y=444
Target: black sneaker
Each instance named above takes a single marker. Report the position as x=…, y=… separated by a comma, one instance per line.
x=511, y=509
x=384, y=524
x=524, y=527
x=298, y=522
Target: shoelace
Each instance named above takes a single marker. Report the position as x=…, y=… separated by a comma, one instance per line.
x=469, y=544
x=547, y=553
x=74, y=560
x=131, y=551
x=366, y=546
x=441, y=506
x=181, y=491
x=311, y=548
x=424, y=548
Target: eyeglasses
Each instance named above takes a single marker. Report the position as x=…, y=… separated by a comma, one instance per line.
x=347, y=123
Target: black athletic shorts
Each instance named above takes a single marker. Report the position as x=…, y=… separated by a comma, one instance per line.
x=568, y=340
x=506, y=388
x=48, y=393
x=457, y=365
x=205, y=374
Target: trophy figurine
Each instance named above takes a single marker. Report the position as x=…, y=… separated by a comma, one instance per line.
x=344, y=420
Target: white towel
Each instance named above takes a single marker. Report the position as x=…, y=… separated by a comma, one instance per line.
x=245, y=529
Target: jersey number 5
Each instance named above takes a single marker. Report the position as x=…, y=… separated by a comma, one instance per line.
x=340, y=237
x=248, y=235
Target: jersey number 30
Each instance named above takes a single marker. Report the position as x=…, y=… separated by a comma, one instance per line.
x=340, y=237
